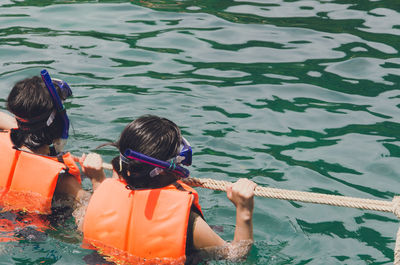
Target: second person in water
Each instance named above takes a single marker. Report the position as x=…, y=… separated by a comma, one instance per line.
x=145, y=213
x=34, y=171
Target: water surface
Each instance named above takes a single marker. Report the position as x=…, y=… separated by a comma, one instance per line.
x=296, y=95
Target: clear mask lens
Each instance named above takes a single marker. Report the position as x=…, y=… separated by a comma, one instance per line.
x=66, y=91
x=59, y=145
x=185, y=156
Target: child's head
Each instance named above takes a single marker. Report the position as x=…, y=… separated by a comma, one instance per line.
x=38, y=121
x=150, y=135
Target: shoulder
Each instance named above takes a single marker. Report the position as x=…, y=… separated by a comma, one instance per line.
x=7, y=121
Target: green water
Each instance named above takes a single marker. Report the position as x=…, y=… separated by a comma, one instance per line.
x=299, y=95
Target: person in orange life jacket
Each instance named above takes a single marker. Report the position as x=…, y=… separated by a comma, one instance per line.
x=145, y=144
x=35, y=147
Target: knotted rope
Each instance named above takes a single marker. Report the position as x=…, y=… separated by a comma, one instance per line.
x=312, y=197
x=396, y=211
x=292, y=195
x=309, y=197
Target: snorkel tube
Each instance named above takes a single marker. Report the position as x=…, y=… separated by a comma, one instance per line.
x=167, y=166
x=58, y=106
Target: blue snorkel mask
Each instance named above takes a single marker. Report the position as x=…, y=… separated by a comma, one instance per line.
x=66, y=91
x=186, y=153
x=57, y=100
x=184, y=157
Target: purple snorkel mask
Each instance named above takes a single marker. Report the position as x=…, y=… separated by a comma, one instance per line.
x=57, y=100
x=184, y=157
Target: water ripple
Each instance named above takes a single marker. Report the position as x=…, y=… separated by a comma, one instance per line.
x=291, y=94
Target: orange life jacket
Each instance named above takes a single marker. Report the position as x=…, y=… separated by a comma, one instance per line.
x=146, y=226
x=68, y=160
x=27, y=180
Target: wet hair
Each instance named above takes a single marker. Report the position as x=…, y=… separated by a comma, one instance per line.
x=29, y=98
x=150, y=135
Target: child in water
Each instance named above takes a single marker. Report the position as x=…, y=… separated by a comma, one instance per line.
x=146, y=214
x=34, y=171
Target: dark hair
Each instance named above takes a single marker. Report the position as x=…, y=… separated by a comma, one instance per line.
x=29, y=98
x=150, y=135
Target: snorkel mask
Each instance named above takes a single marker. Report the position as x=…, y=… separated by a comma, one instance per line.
x=57, y=100
x=184, y=157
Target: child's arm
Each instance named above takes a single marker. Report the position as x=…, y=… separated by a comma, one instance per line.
x=7, y=121
x=241, y=194
x=71, y=192
x=92, y=166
